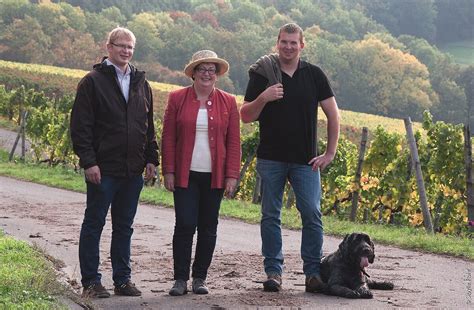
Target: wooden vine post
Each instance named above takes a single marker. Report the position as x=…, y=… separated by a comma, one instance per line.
x=360, y=162
x=469, y=186
x=257, y=192
x=21, y=133
x=244, y=169
x=419, y=176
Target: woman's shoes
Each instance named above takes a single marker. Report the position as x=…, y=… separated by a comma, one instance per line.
x=179, y=288
x=199, y=286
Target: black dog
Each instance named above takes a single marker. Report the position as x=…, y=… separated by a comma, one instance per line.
x=344, y=270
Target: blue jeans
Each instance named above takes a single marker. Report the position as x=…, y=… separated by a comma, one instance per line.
x=306, y=185
x=122, y=194
x=196, y=206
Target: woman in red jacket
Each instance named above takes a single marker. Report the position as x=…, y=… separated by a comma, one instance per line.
x=200, y=161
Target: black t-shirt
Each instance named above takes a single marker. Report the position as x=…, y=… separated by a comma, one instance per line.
x=288, y=125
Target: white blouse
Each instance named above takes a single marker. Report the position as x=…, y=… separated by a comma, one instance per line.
x=201, y=160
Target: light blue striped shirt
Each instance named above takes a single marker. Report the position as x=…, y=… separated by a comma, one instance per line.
x=123, y=78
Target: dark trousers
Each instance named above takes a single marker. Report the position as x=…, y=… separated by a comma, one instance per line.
x=195, y=207
x=122, y=194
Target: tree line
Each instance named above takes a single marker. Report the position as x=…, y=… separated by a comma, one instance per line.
x=380, y=54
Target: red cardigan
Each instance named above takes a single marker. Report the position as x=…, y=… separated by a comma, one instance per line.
x=179, y=133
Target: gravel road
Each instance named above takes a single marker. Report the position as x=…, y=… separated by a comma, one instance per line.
x=51, y=218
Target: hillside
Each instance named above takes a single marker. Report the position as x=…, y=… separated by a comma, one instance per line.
x=381, y=57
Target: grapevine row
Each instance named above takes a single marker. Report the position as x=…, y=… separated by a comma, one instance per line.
x=387, y=191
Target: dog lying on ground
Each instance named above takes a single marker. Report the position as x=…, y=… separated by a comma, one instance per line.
x=344, y=270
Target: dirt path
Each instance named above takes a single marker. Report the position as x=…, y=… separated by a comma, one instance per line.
x=52, y=217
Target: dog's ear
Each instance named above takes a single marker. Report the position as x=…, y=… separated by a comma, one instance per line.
x=344, y=246
x=372, y=257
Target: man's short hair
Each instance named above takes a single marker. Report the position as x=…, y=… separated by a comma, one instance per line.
x=120, y=32
x=291, y=28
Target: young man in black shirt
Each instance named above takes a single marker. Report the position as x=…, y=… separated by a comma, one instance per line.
x=283, y=94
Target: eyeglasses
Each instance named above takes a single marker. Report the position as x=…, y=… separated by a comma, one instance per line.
x=123, y=46
x=202, y=70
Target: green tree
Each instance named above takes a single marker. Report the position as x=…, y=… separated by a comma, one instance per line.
x=131, y=7
x=180, y=45
x=114, y=15
x=51, y=18
x=244, y=11
x=423, y=50
x=383, y=80
x=452, y=106
x=351, y=24
x=404, y=17
x=98, y=26
x=466, y=79
x=14, y=9
x=75, y=16
x=73, y=49
x=236, y=48
x=146, y=27
x=24, y=41
x=323, y=49
x=454, y=20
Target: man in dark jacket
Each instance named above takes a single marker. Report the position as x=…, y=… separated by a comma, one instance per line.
x=113, y=134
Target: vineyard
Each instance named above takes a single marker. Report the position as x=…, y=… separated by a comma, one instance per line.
x=56, y=81
x=387, y=190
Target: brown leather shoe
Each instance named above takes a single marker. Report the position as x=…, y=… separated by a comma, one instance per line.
x=95, y=290
x=314, y=284
x=127, y=289
x=273, y=283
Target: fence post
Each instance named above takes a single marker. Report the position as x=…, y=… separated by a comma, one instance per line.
x=246, y=165
x=21, y=132
x=419, y=176
x=469, y=187
x=23, y=135
x=365, y=218
x=360, y=162
x=257, y=197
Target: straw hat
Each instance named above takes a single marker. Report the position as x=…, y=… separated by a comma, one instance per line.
x=206, y=56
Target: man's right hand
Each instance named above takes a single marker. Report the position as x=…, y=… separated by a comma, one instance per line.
x=169, y=181
x=250, y=111
x=93, y=174
x=273, y=93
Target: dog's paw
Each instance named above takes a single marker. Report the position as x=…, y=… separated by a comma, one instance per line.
x=352, y=294
x=388, y=285
x=385, y=285
x=364, y=292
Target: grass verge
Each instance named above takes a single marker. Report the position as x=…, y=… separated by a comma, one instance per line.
x=7, y=124
x=27, y=279
x=404, y=237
